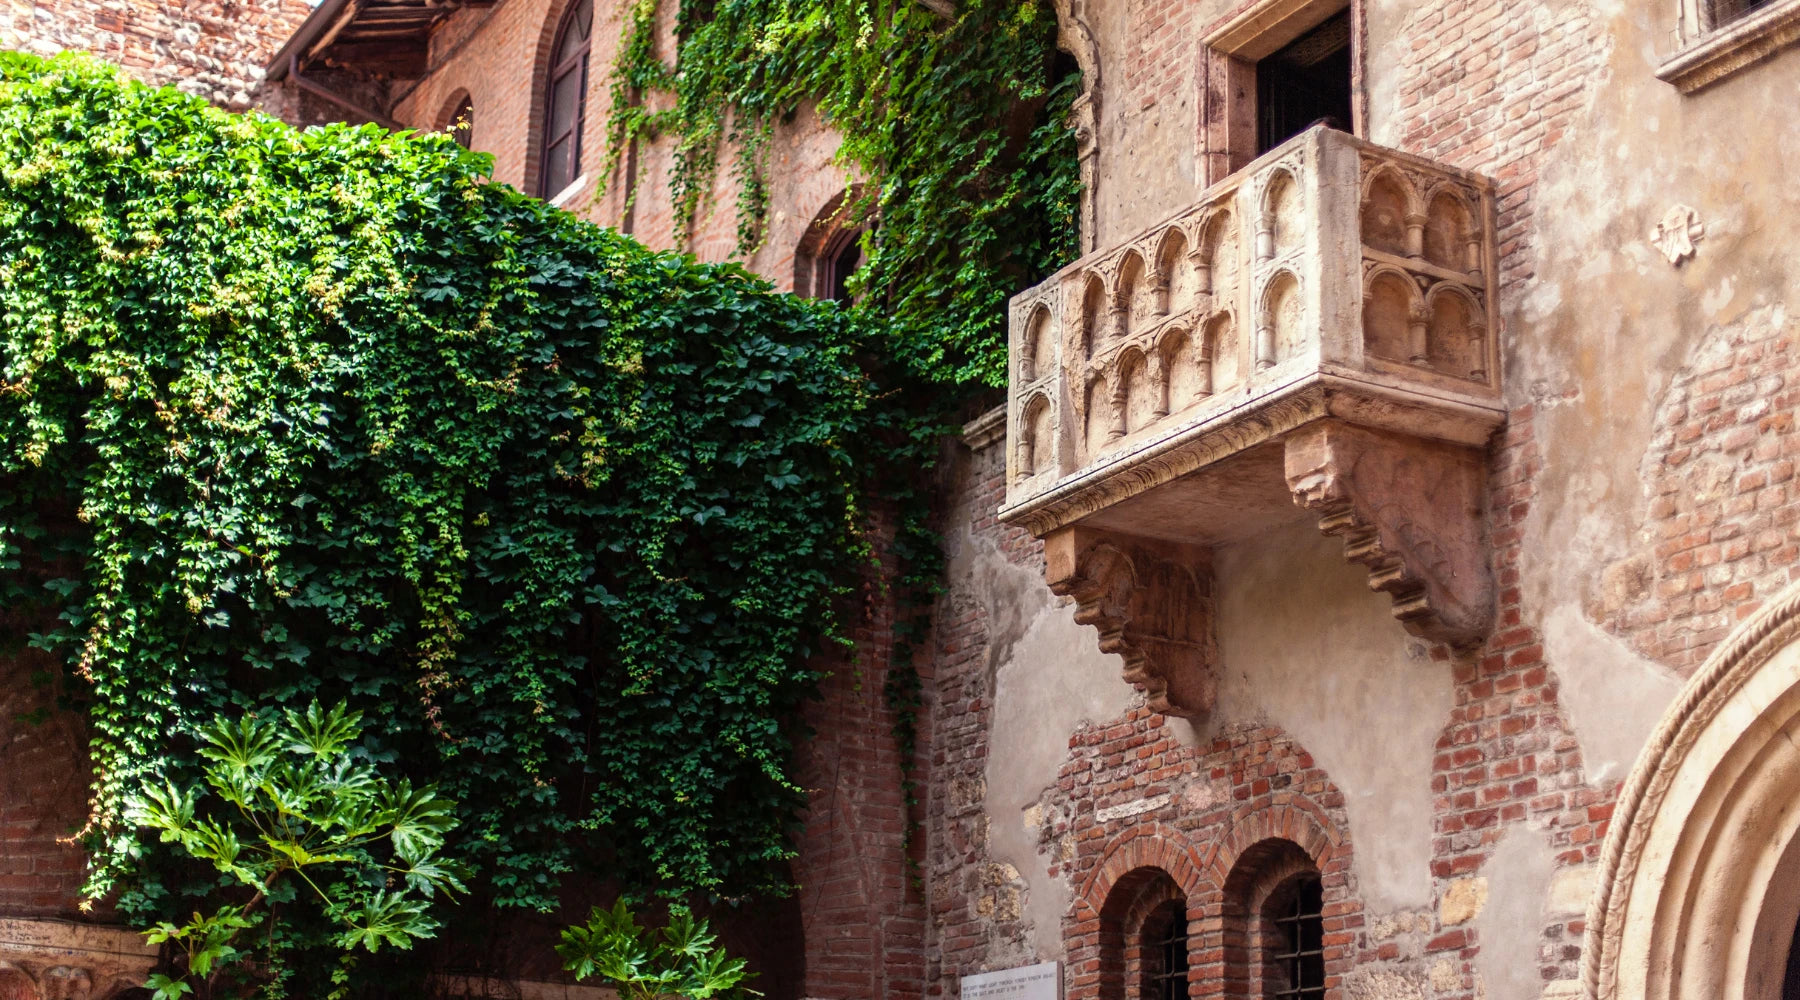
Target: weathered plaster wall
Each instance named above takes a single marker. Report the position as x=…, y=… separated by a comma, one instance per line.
x=1306, y=646
x=1049, y=680
x=1146, y=131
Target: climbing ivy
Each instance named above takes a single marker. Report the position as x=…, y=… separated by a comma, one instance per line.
x=325, y=415
x=959, y=124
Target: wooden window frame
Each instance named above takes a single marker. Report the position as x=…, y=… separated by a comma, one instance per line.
x=575, y=62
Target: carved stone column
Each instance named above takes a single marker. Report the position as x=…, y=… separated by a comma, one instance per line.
x=1153, y=605
x=1411, y=511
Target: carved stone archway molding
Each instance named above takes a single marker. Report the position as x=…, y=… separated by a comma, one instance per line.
x=1699, y=887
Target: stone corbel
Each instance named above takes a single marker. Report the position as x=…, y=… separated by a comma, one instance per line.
x=1411, y=511
x=1153, y=606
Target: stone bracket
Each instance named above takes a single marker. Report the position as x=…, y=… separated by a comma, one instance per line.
x=1411, y=511
x=1153, y=605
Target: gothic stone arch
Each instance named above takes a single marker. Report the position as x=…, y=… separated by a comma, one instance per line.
x=1699, y=886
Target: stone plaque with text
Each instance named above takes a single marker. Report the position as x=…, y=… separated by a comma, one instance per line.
x=1032, y=982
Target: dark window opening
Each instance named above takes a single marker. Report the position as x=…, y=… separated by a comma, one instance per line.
x=566, y=103
x=462, y=122
x=1722, y=12
x=841, y=261
x=1297, y=954
x=1165, y=953
x=1306, y=82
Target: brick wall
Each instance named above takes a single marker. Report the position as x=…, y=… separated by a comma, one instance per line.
x=43, y=783
x=1499, y=101
x=1718, y=536
x=860, y=907
x=217, y=49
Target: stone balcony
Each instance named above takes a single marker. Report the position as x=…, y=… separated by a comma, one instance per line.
x=1317, y=333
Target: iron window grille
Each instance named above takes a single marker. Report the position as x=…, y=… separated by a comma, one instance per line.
x=1168, y=948
x=1298, y=956
x=1722, y=12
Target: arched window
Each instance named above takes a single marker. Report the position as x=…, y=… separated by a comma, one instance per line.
x=565, y=102
x=1294, y=946
x=1144, y=938
x=1274, y=924
x=830, y=250
x=840, y=262
x=460, y=123
x=1165, y=953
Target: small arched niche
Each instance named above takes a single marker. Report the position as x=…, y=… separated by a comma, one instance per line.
x=1037, y=449
x=1187, y=378
x=1699, y=883
x=1039, y=359
x=1221, y=346
x=1218, y=256
x=1130, y=303
x=1386, y=204
x=1137, y=384
x=1388, y=306
x=1282, y=335
x=1093, y=316
x=1179, y=290
x=1455, y=338
x=1449, y=233
x=1100, y=417
x=1282, y=203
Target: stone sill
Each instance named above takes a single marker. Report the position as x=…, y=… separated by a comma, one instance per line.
x=1737, y=46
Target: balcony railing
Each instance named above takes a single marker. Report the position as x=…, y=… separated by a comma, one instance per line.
x=1333, y=287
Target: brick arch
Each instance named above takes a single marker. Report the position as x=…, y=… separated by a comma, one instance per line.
x=1141, y=869
x=541, y=53
x=1151, y=845
x=1264, y=845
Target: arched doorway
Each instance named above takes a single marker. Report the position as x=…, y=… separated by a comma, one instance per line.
x=1699, y=892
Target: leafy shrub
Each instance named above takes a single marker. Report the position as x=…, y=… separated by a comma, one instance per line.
x=681, y=960
x=297, y=821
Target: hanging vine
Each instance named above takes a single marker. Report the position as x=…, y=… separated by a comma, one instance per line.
x=962, y=123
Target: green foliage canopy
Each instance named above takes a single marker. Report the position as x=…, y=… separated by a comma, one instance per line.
x=289, y=416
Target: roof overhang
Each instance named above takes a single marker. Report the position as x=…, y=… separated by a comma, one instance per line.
x=383, y=38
